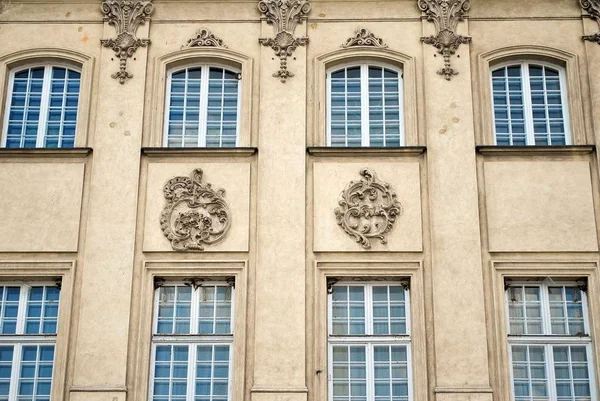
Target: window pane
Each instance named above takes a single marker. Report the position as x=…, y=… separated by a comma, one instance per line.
x=566, y=310
x=35, y=373
x=572, y=372
x=215, y=310
x=9, y=308
x=384, y=108
x=529, y=372
x=42, y=310
x=349, y=372
x=525, y=310
x=170, y=373
x=212, y=372
x=6, y=358
x=174, y=309
x=389, y=310
x=348, y=310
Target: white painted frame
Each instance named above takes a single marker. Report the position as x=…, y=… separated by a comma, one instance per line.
x=548, y=340
x=204, y=83
x=526, y=93
x=192, y=340
x=369, y=340
x=44, y=102
x=364, y=99
x=19, y=339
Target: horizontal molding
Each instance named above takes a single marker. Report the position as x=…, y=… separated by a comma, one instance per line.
x=34, y=153
x=323, y=151
x=463, y=390
x=568, y=150
x=98, y=389
x=279, y=390
x=199, y=152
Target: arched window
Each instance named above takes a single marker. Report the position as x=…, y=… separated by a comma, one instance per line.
x=41, y=109
x=530, y=104
x=364, y=106
x=202, y=107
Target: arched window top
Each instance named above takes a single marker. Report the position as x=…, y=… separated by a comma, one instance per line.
x=530, y=103
x=202, y=106
x=365, y=105
x=42, y=106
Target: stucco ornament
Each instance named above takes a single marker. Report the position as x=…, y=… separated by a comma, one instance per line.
x=126, y=16
x=364, y=37
x=445, y=14
x=592, y=7
x=284, y=15
x=368, y=209
x=205, y=38
x=195, y=214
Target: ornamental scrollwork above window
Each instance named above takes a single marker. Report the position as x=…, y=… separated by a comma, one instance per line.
x=368, y=209
x=195, y=214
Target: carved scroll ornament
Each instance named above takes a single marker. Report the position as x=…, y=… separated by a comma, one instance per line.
x=195, y=214
x=445, y=14
x=126, y=16
x=205, y=38
x=592, y=7
x=364, y=37
x=284, y=15
x=368, y=209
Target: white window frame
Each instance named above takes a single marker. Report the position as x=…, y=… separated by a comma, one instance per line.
x=527, y=105
x=19, y=339
x=369, y=340
x=44, y=102
x=191, y=340
x=364, y=99
x=204, y=81
x=548, y=340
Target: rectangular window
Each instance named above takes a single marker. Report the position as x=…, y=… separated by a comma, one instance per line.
x=549, y=342
x=369, y=342
x=28, y=324
x=192, y=342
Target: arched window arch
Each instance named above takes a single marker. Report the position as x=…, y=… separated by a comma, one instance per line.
x=530, y=103
x=365, y=105
x=42, y=106
x=202, y=107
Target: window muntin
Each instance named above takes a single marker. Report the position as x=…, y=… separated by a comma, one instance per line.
x=530, y=105
x=42, y=107
x=549, y=342
x=192, y=343
x=203, y=107
x=28, y=320
x=369, y=342
x=364, y=106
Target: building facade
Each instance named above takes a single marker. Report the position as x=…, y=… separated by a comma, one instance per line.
x=293, y=200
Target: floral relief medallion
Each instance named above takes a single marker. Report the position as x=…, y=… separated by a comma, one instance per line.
x=195, y=214
x=368, y=209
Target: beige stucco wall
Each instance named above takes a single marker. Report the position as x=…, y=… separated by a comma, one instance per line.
x=472, y=216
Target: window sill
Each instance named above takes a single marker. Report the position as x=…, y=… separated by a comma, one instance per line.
x=319, y=151
x=568, y=150
x=37, y=153
x=199, y=152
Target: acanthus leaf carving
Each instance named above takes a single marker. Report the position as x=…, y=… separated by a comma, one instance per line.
x=368, y=209
x=205, y=38
x=445, y=14
x=592, y=7
x=284, y=15
x=126, y=16
x=195, y=214
x=364, y=37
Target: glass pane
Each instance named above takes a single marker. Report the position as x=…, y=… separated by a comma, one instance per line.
x=174, y=307
x=215, y=303
x=212, y=372
x=42, y=310
x=35, y=372
x=170, y=373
